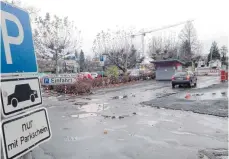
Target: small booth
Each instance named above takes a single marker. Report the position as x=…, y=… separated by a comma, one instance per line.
x=165, y=69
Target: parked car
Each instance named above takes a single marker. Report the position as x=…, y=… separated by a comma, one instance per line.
x=22, y=93
x=84, y=75
x=94, y=75
x=184, y=78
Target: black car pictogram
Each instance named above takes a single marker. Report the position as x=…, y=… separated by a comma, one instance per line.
x=22, y=93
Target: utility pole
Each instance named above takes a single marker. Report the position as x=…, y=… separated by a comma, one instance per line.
x=143, y=45
x=126, y=57
x=211, y=54
x=126, y=63
x=56, y=62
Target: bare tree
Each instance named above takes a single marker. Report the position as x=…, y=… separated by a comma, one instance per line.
x=155, y=47
x=117, y=48
x=55, y=38
x=163, y=47
x=189, y=42
x=223, y=52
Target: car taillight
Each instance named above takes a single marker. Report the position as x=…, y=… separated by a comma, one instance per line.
x=173, y=77
x=188, y=77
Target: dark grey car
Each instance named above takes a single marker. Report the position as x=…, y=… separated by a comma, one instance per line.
x=184, y=78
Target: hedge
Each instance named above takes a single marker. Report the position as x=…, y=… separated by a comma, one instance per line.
x=85, y=85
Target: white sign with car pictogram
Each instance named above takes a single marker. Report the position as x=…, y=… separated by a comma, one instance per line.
x=19, y=94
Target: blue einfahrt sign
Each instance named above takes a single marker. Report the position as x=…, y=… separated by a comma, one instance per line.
x=17, y=50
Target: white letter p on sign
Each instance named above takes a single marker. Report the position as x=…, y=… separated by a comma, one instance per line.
x=7, y=40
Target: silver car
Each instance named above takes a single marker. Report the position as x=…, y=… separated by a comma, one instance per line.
x=184, y=78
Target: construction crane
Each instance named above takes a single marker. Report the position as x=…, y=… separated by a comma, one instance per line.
x=154, y=30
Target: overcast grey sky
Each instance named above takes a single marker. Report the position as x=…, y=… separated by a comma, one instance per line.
x=92, y=16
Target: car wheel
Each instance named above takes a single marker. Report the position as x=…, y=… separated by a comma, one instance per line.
x=14, y=102
x=173, y=85
x=32, y=98
x=194, y=84
x=189, y=85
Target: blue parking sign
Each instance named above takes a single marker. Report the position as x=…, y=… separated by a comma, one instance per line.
x=17, y=50
x=46, y=80
x=101, y=57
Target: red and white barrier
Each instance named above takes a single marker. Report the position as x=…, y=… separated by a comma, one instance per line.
x=214, y=72
x=206, y=71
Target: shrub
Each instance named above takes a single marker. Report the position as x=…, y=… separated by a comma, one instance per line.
x=125, y=79
x=134, y=78
x=147, y=75
x=112, y=71
x=85, y=85
x=113, y=80
x=80, y=87
x=97, y=82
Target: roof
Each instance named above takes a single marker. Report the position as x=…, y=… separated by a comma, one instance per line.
x=170, y=60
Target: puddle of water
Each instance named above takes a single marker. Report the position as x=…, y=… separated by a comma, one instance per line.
x=80, y=103
x=181, y=133
x=75, y=116
x=120, y=127
x=94, y=108
x=120, y=97
x=51, y=107
x=83, y=115
x=109, y=129
x=75, y=138
x=167, y=120
x=51, y=97
x=95, y=100
x=150, y=123
x=163, y=144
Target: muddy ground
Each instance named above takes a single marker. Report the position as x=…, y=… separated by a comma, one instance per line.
x=131, y=122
